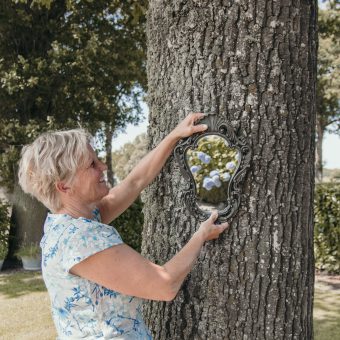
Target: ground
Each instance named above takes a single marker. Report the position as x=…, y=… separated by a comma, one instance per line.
x=327, y=308
x=25, y=307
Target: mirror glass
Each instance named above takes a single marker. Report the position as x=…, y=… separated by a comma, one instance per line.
x=212, y=165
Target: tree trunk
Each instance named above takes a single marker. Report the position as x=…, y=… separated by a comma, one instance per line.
x=318, y=153
x=108, y=149
x=27, y=221
x=254, y=63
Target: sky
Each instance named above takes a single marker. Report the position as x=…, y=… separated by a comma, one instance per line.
x=331, y=144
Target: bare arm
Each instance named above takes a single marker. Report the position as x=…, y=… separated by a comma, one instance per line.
x=122, y=269
x=124, y=194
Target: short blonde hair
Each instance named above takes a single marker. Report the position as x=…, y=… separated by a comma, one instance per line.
x=52, y=157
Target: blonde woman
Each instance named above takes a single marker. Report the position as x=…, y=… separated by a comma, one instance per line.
x=96, y=282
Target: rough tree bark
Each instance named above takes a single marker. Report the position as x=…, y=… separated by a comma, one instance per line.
x=254, y=63
x=318, y=150
x=108, y=150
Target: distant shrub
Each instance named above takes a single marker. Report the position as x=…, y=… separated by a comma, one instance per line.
x=29, y=250
x=4, y=228
x=130, y=225
x=327, y=227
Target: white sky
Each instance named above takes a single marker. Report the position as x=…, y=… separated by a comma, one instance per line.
x=331, y=144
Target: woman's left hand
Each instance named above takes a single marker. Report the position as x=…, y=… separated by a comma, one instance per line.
x=187, y=126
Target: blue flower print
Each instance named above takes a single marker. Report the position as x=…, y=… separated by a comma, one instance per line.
x=110, y=293
x=62, y=313
x=72, y=229
x=69, y=304
x=82, y=307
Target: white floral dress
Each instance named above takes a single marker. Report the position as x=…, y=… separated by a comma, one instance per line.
x=81, y=308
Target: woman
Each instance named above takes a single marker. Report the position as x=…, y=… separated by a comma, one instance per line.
x=94, y=280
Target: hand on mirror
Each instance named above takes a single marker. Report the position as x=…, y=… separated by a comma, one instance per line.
x=210, y=231
x=187, y=126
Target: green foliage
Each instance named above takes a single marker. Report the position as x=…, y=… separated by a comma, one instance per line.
x=29, y=250
x=130, y=225
x=80, y=62
x=124, y=159
x=4, y=228
x=75, y=62
x=13, y=136
x=327, y=227
x=328, y=80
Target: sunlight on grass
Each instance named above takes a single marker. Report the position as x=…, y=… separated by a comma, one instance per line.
x=20, y=283
x=326, y=313
x=25, y=307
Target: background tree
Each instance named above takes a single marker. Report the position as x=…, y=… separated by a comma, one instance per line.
x=328, y=83
x=124, y=159
x=64, y=64
x=82, y=63
x=253, y=63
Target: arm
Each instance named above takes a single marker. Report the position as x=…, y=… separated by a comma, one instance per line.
x=122, y=269
x=124, y=194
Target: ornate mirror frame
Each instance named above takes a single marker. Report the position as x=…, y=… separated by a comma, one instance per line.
x=219, y=127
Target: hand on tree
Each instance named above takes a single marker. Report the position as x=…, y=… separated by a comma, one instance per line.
x=210, y=231
x=187, y=126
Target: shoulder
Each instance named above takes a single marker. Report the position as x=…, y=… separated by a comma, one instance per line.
x=71, y=240
x=84, y=230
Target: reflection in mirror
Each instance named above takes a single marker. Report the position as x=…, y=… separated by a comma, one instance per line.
x=212, y=165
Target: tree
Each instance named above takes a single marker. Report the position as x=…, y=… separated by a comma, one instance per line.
x=75, y=61
x=27, y=213
x=67, y=64
x=124, y=159
x=253, y=63
x=328, y=84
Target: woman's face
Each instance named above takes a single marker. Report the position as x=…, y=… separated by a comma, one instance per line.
x=89, y=186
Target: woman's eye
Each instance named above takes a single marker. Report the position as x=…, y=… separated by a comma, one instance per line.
x=93, y=164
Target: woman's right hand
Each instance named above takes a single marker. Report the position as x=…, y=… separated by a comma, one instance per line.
x=210, y=231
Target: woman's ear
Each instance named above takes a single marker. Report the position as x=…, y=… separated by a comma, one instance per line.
x=62, y=187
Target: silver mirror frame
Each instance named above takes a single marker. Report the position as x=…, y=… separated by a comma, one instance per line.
x=219, y=127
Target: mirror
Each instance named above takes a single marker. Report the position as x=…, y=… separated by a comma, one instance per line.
x=214, y=163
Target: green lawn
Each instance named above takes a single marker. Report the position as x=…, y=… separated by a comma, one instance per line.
x=25, y=308
x=327, y=310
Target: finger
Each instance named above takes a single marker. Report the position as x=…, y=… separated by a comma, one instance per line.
x=213, y=216
x=197, y=115
x=201, y=127
x=223, y=227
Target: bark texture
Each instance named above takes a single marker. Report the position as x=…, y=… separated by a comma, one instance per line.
x=320, y=129
x=108, y=149
x=253, y=62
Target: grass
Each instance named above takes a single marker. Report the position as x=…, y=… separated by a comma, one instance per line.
x=13, y=285
x=25, y=308
x=327, y=311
